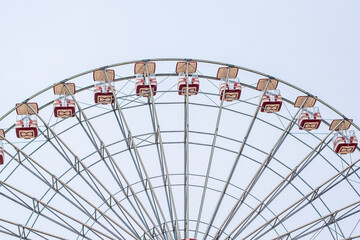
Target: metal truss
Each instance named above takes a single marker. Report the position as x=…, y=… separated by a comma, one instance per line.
x=157, y=173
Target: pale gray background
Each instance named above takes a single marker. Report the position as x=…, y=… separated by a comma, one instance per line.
x=312, y=44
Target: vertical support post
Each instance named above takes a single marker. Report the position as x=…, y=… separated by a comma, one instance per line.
x=186, y=156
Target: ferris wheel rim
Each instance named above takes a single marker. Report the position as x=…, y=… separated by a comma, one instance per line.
x=131, y=62
x=185, y=59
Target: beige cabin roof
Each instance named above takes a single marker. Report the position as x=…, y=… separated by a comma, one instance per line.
x=60, y=89
x=343, y=126
x=262, y=84
x=140, y=67
x=310, y=101
x=23, y=108
x=181, y=67
x=222, y=72
x=99, y=75
x=2, y=133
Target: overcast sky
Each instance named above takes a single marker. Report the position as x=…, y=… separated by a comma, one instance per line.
x=312, y=44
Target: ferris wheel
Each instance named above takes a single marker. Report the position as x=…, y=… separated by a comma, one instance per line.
x=178, y=149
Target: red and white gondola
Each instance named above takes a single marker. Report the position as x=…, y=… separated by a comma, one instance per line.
x=345, y=141
x=232, y=90
x=271, y=101
x=2, y=154
x=104, y=88
x=309, y=119
x=64, y=106
x=143, y=85
x=26, y=125
x=188, y=80
x=190, y=86
x=145, y=79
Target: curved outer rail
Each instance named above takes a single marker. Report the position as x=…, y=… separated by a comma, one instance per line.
x=165, y=74
x=186, y=59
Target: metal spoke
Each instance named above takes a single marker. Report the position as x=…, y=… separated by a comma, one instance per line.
x=310, y=197
x=210, y=159
x=125, y=167
x=77, y=164
x=332, y=218
x=21, y=231
x=258, y=174
x=186, y=155
x=235, y=163
x=132, y=143
x=56, y=184
x=284, y=183
x=163, y=164
x=109, y=156
x=36, y=208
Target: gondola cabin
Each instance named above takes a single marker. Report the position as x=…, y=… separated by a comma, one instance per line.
x=143, y=86
x=271, y=101
x=232, y=90
x=145, y=79
x=190, y=86
x=309, y=119
x=2, y=155
x=345, y=142
x=229, y=83
x=64, y=106
x=26, y=121
x=104, y=89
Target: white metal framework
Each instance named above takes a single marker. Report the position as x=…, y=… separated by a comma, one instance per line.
x=145, y=160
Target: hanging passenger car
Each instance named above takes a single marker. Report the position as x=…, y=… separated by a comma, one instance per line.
x=309, y=119
x=142, y=88
x=345, y=141
x=191, y=86
x=2, y=155
x=26, y=120
x=104, y=88
x=271, y=101
x=64, y=106
x=145, y=79
x=188, y=80
x=232, y=90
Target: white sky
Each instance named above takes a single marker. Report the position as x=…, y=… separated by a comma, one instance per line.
x=312, y=44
